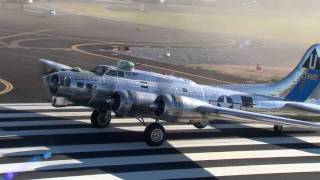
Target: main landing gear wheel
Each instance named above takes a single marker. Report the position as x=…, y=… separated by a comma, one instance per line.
x=200, y=125
x=278, y=128
x=154, y=134
x=100, y=119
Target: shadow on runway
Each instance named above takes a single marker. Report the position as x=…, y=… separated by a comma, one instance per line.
x=124, y=150
x=88, y=162
x=288, y=132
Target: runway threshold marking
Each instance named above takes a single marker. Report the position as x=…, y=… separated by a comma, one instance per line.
x=78, y=156
x=8, y=87
x=77, y=48
x=210, y=172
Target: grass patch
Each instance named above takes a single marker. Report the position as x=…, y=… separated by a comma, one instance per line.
x=270, y=25
x=246, y=72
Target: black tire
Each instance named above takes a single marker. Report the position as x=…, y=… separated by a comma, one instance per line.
x=154, y=134
x=199, y=125
x=278, y=129
x=118, y=115
x=100, y=119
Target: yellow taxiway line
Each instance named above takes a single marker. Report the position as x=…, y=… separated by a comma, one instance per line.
x=8, y=87
x=76, y=48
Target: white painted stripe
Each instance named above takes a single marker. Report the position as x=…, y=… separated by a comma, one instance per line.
x=115, y=129
x=119, y=121
x=43, y=114
x=130, y=160
x=44, y=123
x=211, y=142
x=25, y=104
x=39, y=108
x=205, y=172
x=64, y=122
x=84, y=130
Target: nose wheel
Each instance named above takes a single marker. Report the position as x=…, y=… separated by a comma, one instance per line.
x=100, y=118
x=154, y=134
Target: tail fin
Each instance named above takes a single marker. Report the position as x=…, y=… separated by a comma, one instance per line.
x=303, y=82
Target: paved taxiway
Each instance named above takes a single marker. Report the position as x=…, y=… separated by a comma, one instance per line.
x=76, y=41
x=7, y=87
x=38, y=141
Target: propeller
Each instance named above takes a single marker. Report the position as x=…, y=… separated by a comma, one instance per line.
x=48, y=67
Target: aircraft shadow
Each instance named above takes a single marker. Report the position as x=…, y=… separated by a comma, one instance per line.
x=87, y=166
x=288, y=132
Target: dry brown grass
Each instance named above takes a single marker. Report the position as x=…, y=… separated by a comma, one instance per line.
x=273, y=25
x=249, y=72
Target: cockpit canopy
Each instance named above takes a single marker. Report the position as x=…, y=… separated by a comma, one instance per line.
x=107, y=70
x=111, y=70
x=130, y=73
x=100, y=70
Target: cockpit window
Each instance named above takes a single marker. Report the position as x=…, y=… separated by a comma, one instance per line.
x=80, y=84
x=100, y=70
x=112, y=73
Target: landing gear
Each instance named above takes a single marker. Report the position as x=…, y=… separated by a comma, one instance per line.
x=200, y=125
x=100, y=118
x=278, y=128
x=154, y=134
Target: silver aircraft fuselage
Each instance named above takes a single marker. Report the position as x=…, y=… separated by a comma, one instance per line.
x=92, y=89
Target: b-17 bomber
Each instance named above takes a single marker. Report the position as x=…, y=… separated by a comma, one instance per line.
x=128, y=92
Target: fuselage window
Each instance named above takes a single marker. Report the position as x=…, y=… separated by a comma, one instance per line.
x=128, y=75
x=247, y=101
x=184, y=90
x=89, y=86
x=67, y=81
x=80, y=84
x=112, y=73
x=120, y=73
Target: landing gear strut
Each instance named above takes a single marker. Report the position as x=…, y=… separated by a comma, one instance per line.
x=278, y=128
x=154, y=134
x=100, y=118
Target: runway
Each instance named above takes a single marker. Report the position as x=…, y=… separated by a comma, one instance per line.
x=42, y=142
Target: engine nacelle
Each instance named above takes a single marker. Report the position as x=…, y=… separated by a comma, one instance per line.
x=126, y=103
x=53, y=82
x=178, y=108
x=121, y=103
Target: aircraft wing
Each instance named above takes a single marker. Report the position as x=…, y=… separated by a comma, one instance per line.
x=315, y=108
x=258, y=117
